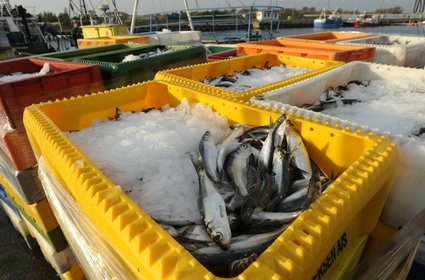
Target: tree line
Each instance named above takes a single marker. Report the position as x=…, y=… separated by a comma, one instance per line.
x=65, y=18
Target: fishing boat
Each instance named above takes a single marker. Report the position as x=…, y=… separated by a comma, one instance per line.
x=331, y=21
x=366, y=20
x=22, y=29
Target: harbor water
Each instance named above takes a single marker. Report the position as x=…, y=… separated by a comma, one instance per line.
x=265, y=34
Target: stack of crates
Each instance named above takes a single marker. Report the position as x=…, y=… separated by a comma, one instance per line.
x=117, y=73
x=308, y=49
x=18, y=166
x=16, y=219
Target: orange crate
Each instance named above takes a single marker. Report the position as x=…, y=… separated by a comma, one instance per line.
x=312, y=50
x=18, y=148
x=324, y=37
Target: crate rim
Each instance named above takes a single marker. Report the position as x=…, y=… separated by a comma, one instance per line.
x=78, y=66
x=135, y=63
x=166, y=76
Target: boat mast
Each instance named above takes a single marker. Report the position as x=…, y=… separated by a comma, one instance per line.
x=133, y=18
x=84, y=14
x=188, y=16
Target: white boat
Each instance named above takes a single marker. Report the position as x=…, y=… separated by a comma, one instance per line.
x=331, y=21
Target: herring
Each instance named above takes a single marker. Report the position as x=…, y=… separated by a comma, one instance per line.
x=208, y=152
x=297, y=148
x=212, y=208
x=237, y=168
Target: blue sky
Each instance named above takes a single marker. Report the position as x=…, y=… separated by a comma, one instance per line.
x=148, y=6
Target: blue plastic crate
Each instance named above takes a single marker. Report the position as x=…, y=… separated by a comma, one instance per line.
x=5, y=199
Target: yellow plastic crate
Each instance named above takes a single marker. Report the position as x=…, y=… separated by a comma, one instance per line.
x=192, y=76
x=110, y=40
x=97, y=31
x=75, y=273
x=322, y=243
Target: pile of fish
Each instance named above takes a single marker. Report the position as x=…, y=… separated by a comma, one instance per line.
x=132, y=57
x=334, y=97
x=252, y=185
x=255, y=77
x=228, y=81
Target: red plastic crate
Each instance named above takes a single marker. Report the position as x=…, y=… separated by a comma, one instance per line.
x=222, y=55
x=306, y=49
x=65, y=79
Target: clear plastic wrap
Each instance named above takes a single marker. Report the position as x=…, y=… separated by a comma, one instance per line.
x=61, y=261
x=96, y=256
x=394, y=259
x=19, y=224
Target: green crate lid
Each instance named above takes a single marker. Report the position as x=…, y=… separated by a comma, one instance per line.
x=80, y=53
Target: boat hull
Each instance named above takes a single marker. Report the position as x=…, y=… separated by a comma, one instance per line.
x=359, y=24
x=328, y=25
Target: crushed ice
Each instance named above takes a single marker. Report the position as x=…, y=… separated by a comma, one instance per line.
x=147, y=154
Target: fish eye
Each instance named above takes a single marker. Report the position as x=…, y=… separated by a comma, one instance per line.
x=217, y=236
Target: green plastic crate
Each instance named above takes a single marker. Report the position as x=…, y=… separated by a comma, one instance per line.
x=80, y=53
x=116, y=73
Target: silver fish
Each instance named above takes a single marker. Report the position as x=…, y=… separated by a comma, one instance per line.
x=266, y=154
x=242, y=242
x=236, y=132
x=298, y=185
x=194, y=233
x=215, y=81
x=263, y=219
x=281, y=169
x=304, y=197
x=293, y=200
x=296, y=147
x=236, y=267
x=171, y=230
x=213, y=209
x=225, y=84
x=208, y=152
x=174, y=221
x=235, y=203
x=279, y=139
x=259, y=132
x=236, y=168
x=223, y=151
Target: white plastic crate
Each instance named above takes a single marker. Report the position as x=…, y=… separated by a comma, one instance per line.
x=61, y=261
x=19, y=224
x=176, y=38
x=406, y=195
x=397, y=50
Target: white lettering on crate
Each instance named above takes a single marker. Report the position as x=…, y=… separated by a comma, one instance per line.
x=331, y=257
